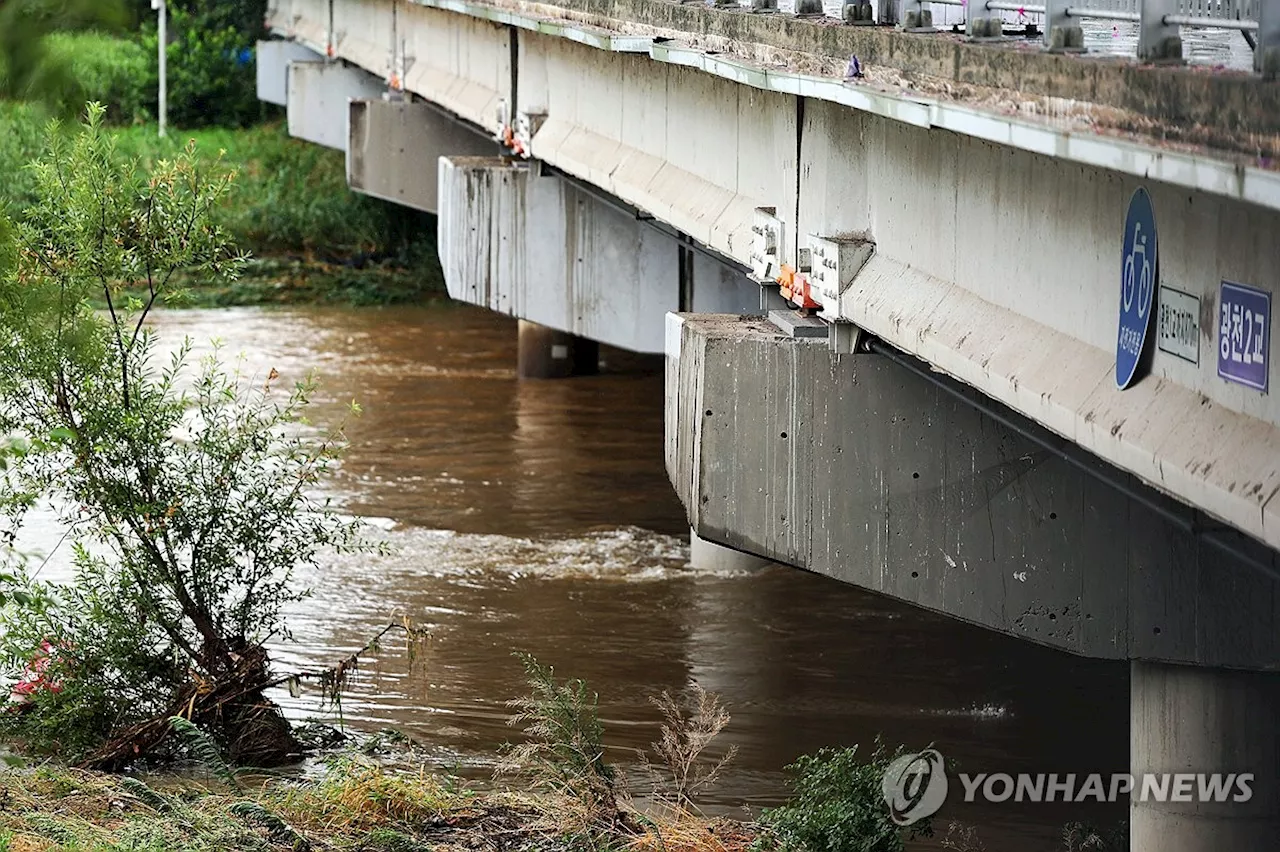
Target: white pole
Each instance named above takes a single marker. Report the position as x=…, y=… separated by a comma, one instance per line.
x=164, y=43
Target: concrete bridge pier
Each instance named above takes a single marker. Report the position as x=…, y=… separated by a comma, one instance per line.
x=1190, y=719
x=548, y=353
x=716, y=558
x=866, y=469
x=574, y=265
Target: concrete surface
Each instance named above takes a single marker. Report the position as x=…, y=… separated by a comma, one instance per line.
x=364, y=34
x=395, y=146
x=717, y=559
x=319, y=94
x=854, y=467
x=462, y=63
x=306, y=21
x=1193, y=720
x=1215, y=105
x=542, y=249
x=273, y=58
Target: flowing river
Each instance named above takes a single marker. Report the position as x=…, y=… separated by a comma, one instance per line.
x=536, y=516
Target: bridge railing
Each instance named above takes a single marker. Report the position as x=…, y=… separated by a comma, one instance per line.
x=1159, y=22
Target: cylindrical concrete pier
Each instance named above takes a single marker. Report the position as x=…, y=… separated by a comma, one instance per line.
x=1187, y=719
x=708, y=556
x=546, y=353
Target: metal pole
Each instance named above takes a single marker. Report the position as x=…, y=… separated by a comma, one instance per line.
x=162, y=5
x=1266, y=53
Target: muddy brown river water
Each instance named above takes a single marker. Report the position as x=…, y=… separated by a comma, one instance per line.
x=537, y=516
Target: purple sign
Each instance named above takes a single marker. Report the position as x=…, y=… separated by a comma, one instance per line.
x=1244, y=334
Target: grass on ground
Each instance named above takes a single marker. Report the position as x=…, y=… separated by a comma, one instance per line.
x=357, y=805
x=316, y=240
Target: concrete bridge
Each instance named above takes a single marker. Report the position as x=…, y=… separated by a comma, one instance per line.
x=971, y=321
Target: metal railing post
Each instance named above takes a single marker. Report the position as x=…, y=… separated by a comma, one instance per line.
x=1059, y=32
x=912, y=15
x=1266, y=51
x=162, y=38
x=1156, y=39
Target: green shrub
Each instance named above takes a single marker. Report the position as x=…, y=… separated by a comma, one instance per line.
x=27, y=71
x=837, y=805
x=244, y=16
x=290, y=197
x=563, y=751
x=211, y=71
x=290, y=203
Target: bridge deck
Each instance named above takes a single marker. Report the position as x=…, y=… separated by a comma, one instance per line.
x=1203, y=109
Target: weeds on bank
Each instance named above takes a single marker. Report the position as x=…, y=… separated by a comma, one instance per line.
x=578, y=801
x=563, y=752
x=682, y=770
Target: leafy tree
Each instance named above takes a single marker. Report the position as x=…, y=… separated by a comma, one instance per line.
x=188, y=492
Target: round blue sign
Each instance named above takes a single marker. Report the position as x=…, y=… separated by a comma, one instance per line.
x=1137, y=285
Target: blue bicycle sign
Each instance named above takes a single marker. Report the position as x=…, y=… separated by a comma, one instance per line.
x=1137, y=284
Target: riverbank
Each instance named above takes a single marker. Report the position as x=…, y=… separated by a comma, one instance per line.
x=356, y=805
x=358, y=281
x=314, y=240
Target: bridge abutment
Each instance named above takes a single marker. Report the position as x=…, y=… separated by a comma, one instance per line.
x=1193, y=720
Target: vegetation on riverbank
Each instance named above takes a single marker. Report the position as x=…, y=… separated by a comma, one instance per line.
x=314, y=240
x=375, y=795
x=357, y=805
x=187, y=491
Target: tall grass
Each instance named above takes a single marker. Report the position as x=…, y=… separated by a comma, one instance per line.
x=116, y=72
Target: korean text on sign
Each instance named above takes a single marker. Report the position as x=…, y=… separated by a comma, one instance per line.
x=1244, y=334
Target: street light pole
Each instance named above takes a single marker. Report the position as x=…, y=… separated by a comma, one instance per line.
x=162, y=6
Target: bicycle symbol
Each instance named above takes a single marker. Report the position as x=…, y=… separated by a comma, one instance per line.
x=1131, y=272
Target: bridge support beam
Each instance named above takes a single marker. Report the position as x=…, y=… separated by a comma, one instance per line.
x=542, y=248
x=879, y=473
x=319, y=93
x=548, y=353
x=1185, y=719
x=395, y=146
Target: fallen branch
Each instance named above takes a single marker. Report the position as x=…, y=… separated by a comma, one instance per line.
x=235, y=711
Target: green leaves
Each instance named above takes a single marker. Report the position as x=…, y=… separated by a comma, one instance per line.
x=187, y=491
x=837, y=805
x=210, y=66
x=205, y=751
